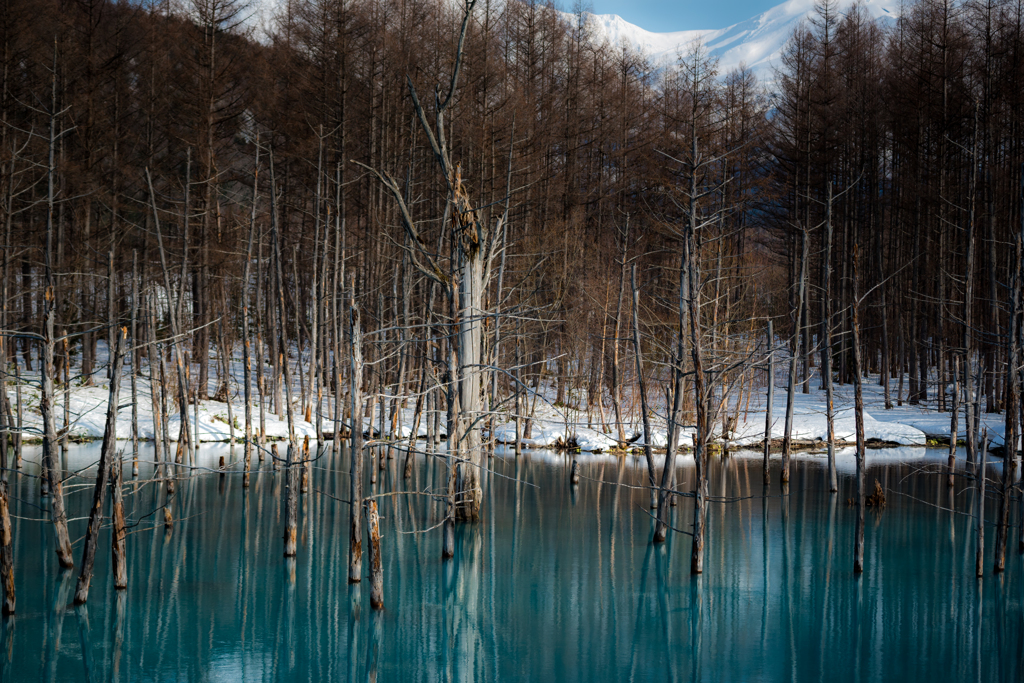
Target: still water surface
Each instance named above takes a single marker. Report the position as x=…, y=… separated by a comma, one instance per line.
x=550, y=585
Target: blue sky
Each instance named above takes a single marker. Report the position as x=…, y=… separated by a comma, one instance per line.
x=679, y=15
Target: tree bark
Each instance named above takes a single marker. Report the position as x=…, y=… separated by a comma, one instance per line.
x=118, y=554
x=135, y=363
x=102, y=473
x=769, y=404
x=52, y=471
x=645, y=408
x=858, y=407
x=826, y=348
x=787, y=439
x=355, y=541
x=979, y=507
x=376, y=567
x=6, y=550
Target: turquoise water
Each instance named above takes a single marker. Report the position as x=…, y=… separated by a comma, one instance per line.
x=551, y=584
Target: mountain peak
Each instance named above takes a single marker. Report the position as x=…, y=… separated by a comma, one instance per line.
x=755, y=42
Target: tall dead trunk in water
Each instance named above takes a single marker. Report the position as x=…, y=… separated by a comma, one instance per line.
x=474, y=241
x=858, y=408
x=135, y=363
x=153, y=363
x=339, y=283
x=261, y=389
x=107, y=454
x=471, y=291
x=179, y=363
x=616, y=376
x=51, y=469
x=1019, y=340
x=787, y=439
x=972, y=426
x=645, y=408
x=770, y=403
x=1012, y=401
x=291, y=501
x=246, y=349
x=700, y=402
x=699, y=385
x=355, y=539
x=275, y=230
x=826, y=347
x=314, y=330
x=455, y=442
x=676, y=410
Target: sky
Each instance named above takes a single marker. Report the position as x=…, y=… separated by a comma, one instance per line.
x=680, y=15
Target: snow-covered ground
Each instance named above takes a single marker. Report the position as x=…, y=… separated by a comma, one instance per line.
x=553, y=426
x=88, y=408
x=904, y=425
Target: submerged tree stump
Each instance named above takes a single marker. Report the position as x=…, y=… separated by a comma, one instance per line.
x=877, y=498
x=117, y=550
x=376, y=566
x=979, y=513
x=6, y=551
x=291, y=507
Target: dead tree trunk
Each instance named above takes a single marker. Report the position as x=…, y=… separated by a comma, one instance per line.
x=318, y=261
x=135, y=363
x=474, y=243
x=185, y=434
x=642, y=383
x=858, y=408
x=972, y=425
x=6, y=546
x=275, y=229
x=954, y=419
x=118, y=554
x=153, y=356
x=455, y=439
x=51, y=469
x=376, y=566
x=291, y=505
x=1019, y=341
x=979, y=506
x=355, y=540
x=787, y=439
x=699, y=388
x=1011, y=408
x=616, y=374
x=676, y=410
x=339, y=280
x=770, y=403
x=102, y=474
x=826, y=347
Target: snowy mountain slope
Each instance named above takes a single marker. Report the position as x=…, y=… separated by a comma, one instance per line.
x=755, y=42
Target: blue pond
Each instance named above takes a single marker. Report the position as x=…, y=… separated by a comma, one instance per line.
x=551, y=584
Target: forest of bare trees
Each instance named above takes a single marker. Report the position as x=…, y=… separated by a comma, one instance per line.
x=481, y=197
